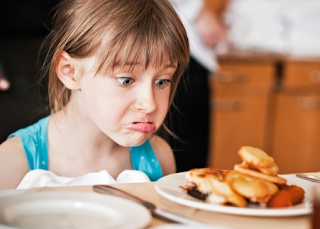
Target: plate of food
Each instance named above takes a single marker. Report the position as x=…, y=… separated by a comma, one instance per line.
x=252, y=188
x=70, y=210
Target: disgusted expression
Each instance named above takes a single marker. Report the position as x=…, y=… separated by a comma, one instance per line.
x=127, y=104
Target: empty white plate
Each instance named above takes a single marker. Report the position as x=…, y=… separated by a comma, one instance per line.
x=71, y=210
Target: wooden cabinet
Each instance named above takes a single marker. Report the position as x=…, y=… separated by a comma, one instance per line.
x=239, y=109
x=272, y=104
x=296, y=131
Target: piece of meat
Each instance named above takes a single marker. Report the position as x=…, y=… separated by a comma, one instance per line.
x=297, y=193
x=288, y=195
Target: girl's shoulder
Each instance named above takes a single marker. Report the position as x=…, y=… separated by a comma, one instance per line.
x=34, y=141
x=39, y=127
x=19, y=152
x=164, y=154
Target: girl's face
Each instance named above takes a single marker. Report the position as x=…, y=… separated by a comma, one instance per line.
x=127, y=104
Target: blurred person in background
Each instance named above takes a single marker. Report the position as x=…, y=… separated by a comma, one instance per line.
x=23, y=24
x=4, y=83
x=189, y=118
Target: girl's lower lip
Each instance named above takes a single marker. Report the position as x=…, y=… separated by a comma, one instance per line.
x=142, y=127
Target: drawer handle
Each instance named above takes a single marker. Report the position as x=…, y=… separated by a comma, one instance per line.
x=309, y=104
x=219, y=105
x=230, y=77
x=314, y=76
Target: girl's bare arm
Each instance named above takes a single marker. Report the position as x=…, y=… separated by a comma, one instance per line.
x=13, y=163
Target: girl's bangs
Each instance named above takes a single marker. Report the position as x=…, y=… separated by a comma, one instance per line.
x=137, y=49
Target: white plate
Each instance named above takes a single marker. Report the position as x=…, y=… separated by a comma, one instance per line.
x=71, y=210
x=168, y=187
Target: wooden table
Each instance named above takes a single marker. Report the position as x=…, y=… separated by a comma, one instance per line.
x=148, y=192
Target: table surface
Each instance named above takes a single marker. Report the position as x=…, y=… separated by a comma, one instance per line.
x=148, y=192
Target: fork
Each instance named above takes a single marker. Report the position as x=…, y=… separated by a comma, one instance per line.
x=308, y=177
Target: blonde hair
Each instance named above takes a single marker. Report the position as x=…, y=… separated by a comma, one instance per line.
x=145, y=29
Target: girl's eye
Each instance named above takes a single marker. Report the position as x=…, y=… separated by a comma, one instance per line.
x=125, y=81
x=162, y=83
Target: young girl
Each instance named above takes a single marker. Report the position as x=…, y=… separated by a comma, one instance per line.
x=113, y=70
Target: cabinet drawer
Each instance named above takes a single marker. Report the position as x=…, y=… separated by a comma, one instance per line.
x=245, y=73
x=301, y=74
x=296, y=145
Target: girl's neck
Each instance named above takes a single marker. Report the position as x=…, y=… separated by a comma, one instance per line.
x=79, y=132
x=77, y=147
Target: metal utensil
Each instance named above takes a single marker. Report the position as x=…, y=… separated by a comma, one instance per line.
x=155, y=211
x=308, y=177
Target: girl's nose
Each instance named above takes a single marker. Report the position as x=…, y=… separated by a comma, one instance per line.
x=145, y=100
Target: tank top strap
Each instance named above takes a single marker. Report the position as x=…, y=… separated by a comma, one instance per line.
x=34, y=139
x=144, y=159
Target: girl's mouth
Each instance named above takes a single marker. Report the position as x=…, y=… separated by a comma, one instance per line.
x=146, y=127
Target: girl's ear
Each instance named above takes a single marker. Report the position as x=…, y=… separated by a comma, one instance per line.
x=66, y=71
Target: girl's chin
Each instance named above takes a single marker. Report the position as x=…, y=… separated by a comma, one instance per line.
x=135, y=141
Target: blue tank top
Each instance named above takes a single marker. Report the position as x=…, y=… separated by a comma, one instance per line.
x=35, y=144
